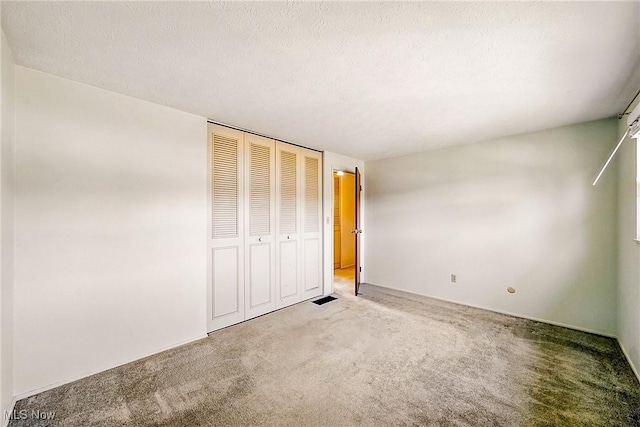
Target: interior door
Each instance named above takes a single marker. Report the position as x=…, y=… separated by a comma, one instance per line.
x=357, y=230
x=225, y=260
x=288, y=224
x=312, y=222
x=260, y=295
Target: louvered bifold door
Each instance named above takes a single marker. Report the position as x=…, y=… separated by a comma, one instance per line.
x=288, y=224
x=260, y=296
x=225, y=290
x=311, y=165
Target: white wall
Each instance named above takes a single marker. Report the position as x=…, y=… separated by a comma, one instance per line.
x=331, y=162
x=517, y=211
x=628, y=251
x=7, y=124
x=110, y=229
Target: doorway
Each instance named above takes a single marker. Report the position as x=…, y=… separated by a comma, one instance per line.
x=344, y=239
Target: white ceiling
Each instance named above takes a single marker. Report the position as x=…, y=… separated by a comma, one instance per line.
x=369, y=80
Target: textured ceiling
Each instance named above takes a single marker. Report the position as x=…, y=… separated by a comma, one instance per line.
x=368, y=80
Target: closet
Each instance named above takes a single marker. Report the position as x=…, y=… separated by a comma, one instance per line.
x=265, y=237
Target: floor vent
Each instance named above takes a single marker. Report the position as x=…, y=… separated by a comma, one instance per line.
x=324, y=300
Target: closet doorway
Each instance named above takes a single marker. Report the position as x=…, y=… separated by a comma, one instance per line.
x=345, y=253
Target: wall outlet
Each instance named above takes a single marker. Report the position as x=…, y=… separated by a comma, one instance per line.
x=453, y=278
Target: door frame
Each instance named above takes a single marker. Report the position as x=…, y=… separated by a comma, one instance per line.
x=352, y=172
x=333, y=162
x=333, y=201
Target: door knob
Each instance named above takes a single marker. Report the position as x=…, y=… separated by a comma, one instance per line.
x=288, y=237
x=259, y=239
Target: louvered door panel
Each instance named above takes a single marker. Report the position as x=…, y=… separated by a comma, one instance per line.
x=288, y=197
x=311, y=162
x=288, y=194
x=225, y=186
x=260, y=183
x=225, y=290
x=260, y=257
x=311, y=194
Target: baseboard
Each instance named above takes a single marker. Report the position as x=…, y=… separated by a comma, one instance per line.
x=266, y=314
x=5, y=419
x=508, y=313
x=345, y=266
x=626, y=354
x=102, y=369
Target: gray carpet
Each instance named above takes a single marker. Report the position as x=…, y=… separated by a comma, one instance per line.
x=385, y=358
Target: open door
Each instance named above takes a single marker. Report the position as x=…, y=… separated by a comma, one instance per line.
x=357, y=230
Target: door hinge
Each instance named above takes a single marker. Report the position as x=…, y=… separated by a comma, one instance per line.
x=360, y=269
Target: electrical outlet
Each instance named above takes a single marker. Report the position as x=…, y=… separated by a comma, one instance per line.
x=453, y=278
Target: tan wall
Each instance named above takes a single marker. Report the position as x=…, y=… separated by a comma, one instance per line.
x=347, y=213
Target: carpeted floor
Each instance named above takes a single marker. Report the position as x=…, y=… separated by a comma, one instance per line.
x=384, y=358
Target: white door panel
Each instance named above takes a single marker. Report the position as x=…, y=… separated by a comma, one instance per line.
x=259, y=275
x=312, y=277
x=289, y=212
x=225, y=263
x=226, y=299
x=260, y=226
x=312, y=224
x=288, y=277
